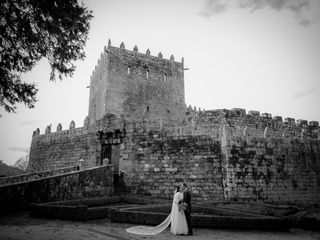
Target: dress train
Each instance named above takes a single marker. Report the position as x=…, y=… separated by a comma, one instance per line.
x=176, y=218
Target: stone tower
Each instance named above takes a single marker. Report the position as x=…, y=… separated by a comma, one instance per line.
x=136, y=85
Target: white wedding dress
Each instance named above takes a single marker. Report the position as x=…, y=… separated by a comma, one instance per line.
x=176, y=218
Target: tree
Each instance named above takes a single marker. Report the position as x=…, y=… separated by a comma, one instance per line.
x=31, y=30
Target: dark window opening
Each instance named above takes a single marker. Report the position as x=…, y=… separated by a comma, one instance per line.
x=106, y=153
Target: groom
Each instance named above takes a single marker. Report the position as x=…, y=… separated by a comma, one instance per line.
x=187, y=200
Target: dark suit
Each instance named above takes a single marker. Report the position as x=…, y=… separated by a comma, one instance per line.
x=187, y=212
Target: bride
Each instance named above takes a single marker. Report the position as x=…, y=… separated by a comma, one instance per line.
x=176, y=218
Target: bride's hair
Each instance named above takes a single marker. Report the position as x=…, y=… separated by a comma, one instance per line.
x=177, y=189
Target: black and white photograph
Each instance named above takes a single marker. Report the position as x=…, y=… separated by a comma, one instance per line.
x=159, y=119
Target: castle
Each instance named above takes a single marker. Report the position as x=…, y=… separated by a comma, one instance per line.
x=139, y=121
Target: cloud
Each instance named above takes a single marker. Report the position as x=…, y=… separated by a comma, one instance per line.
x=304, y=11
x=20, y=149
x=305, y=93
x=30, y=122
x=214, y=7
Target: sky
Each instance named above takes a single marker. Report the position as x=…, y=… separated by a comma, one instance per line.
x=261, y=55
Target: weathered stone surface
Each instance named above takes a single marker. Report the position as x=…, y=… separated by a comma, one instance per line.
x=135, y=48
x=216, y=158
x=86, y=122
x=63, y=149
x=314, y=123
x=72, y=125
x=48, y=129
x=272, y=170
x=277, y=119
x=290, y=120
x=253, y=113
x=36, y=175
x=302, y=122
x=59, y=127
x=266, y=115
x=238, y=111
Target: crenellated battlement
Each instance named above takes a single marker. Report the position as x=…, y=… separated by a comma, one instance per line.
x=135, y=50
x=252, y=123
x=72, y=128
x=146, y=54
x=109, y=121
x=199, y=122
x=240, y=112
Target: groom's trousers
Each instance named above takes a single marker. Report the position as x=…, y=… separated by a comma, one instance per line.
x=188, y=218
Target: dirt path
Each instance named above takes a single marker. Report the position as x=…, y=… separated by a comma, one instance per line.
x=22, y=227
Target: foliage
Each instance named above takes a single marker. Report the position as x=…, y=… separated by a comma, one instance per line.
x=6, y=171
x=32, y=29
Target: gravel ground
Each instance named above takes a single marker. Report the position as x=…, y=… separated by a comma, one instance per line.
x=21, y=227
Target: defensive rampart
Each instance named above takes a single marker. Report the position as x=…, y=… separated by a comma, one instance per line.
x=223, y=154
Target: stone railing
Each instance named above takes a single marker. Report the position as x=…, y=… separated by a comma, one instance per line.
x=36, y=175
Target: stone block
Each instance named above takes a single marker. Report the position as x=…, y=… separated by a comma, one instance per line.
x=290, y=120
x=266, y=115
x=240, y=112
x=171, y=169
x=217, y=112
x=253, y=113
x=314, y=123
x=277, y=119
x=302, y=122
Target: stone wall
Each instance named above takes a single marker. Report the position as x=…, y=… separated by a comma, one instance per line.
x=64, y=149
x=98, y=89
x=37, y=175
x=252, y=124
x=276, y=170
x=155, y=163
x=87, y=183
x=223, y=154
x=222, y=162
